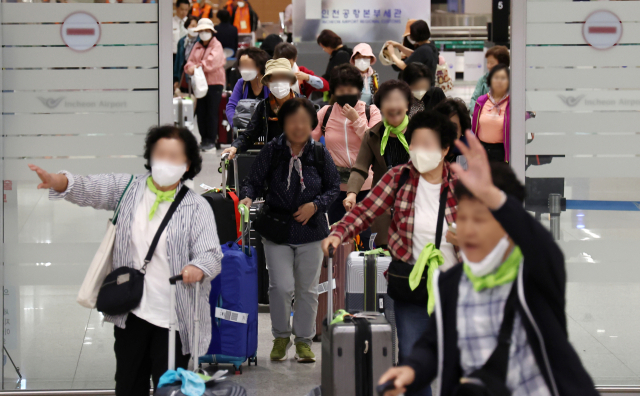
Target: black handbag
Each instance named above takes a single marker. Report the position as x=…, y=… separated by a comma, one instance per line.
x=273, y=225
x=122, y=289
x=398, y=273
x=491, y=378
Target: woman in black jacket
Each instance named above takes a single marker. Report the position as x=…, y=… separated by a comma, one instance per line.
x=511, y=265
x=331, y=43
x=302, y=183
x=425, y=95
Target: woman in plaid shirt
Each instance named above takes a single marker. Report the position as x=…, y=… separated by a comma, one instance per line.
x=414, y=191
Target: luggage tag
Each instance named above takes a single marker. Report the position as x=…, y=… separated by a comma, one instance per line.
x=231, y=316
x=324, y=286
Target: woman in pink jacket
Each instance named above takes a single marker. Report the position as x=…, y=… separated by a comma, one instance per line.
x=343, y=124
x=208, y=54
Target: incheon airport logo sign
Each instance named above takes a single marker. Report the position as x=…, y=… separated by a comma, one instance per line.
x=51, y=103
x=571, y=101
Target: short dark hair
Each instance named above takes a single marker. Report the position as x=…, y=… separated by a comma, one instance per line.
x=416, y=71
x=435, y=121
x=451, y=106
x=286, y=51
x=345, y=75
x=260, y=57
x=329, y=39
x=503, y=178
x=387, y=87
x=500, y=52
x=191, y=149
x=180, y=2
x=188, y=21
x=497, y=68
x=269, y=43
x=224, y=16
x=420, y=31
x=291, y=106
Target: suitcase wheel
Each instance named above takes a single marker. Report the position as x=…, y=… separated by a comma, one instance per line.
x=253, y=359
x=238, y=370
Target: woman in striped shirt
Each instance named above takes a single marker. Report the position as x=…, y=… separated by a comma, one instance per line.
x=188, y=246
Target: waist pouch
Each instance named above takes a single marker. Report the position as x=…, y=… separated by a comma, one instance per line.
x=273, y=225
x=398, y=284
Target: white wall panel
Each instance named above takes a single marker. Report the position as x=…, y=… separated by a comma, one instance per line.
x=588, y=144
x=583, y=101
x=47, y=79
x=571, y=33
x=80, y=102
x=126, y=56
x=578, y=11
x=625, y=55
x=588, y=167
x=77, y=146
x=17, y=169
x=599, y=121
x=39, y=12
x=572, y=78
x=106, y=123
x=110, y=33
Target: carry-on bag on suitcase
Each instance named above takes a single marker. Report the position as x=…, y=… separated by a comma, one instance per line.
x=225, y=207
x=234, y=304
x=242, y=162
x=355, y=352
x=212, y=387
x=339, y=267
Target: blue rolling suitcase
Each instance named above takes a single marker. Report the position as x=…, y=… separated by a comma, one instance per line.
x=234, y=304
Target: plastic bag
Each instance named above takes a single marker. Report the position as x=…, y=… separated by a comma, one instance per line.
x=199, y=81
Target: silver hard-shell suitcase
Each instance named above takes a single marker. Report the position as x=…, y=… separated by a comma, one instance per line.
x=356, y=352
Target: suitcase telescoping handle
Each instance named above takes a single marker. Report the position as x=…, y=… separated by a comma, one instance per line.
x=330, y=283
x=387, y=386
x=173, y=325
x=223, y=159
x=245, y=229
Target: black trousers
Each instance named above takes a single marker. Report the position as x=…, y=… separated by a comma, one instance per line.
x=337, y=211
x=207, y=110
x=495, y=151
x=142, y=351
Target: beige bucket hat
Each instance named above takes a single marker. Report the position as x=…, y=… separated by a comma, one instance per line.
x=205, y=24
x=282, y=66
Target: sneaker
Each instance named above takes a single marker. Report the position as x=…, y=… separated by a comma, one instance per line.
x=207, y=146
x=280, y=348
x=304, y=354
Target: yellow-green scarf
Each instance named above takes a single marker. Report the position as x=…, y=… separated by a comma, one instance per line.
x=432, y=258
x=160, y=196
x=389, y=129
x=507, y=272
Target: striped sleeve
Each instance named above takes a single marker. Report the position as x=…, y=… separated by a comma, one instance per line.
x=205, y=252
x=97, y=191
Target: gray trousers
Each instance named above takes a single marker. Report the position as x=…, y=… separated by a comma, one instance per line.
x=294, y=271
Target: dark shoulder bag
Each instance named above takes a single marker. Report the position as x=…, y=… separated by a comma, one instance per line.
x=491, y=378
x=398, y=276
x=122, y=289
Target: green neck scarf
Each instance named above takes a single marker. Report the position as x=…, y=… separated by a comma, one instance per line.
x=507, y=272
x=389, y=129
x=432, y=258
x=160, y=196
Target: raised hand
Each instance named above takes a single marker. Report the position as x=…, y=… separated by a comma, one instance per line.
x=55, y=181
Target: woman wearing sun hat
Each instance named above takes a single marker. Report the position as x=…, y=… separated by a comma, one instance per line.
x=264, y=125
x=363, y=59
x=208, y=54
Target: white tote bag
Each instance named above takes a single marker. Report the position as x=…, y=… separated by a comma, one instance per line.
x=199, y=81
x=101, y=264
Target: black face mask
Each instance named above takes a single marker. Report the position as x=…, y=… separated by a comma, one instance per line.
x=351, y=100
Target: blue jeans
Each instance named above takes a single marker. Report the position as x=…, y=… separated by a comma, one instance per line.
x=411, y=322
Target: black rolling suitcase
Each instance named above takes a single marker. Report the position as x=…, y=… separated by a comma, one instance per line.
x=242, y=162
x=256, y=242
x=357, y=351
x=225, y=207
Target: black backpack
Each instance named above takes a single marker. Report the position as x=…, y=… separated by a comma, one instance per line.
x=327, y=115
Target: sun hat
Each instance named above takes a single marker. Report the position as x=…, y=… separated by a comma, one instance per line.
x=204, y=24
x=363, y=49
x=280, y=65
x=407, y=29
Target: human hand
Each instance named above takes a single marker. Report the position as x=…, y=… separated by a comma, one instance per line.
x=477, y=178
x=247, y=202
x=403, y=376
x=191, y=274
x=349, y=202
x=176, y=85
x=55, y=181
x=330, y=241
x=302, y=76
x=305, y=212
x=232, y=152
x=349, y=112
x=191, y=69
x=452, y=238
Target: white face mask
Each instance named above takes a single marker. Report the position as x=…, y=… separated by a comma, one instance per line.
x=241, y=4
x=248, y=74
x=425, y=160
x=165, y=173
x=205, y=36
x=363, y=64
x=411, y=40
x=419, y=94
x=491, y=262
x=280, y=89
x=192, y=32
